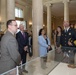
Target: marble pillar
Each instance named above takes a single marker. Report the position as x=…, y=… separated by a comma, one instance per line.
x=3, y=15
x=10, y=9
x=49, y=21
x=66, y=10
x=37, y=20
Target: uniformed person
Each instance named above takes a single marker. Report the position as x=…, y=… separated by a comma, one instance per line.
x=68, y=37
x=75, y=26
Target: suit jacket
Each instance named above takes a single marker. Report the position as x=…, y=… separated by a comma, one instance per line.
x=43, y=46
x=22, y=42
x=70, y=35
x=10, y=56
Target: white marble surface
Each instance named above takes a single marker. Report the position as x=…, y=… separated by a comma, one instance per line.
x=63, y=69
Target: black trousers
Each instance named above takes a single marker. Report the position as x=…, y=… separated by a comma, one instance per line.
x=23, y=57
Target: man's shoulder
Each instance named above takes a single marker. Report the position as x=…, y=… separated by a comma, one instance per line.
x=71, y=29
x=62, y=31
x=18, y=33
x=8, y=36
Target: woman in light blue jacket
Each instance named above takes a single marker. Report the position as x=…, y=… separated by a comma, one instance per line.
x=43, y=47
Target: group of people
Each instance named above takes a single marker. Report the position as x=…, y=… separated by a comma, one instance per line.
x=66, y=39
x=14, y=47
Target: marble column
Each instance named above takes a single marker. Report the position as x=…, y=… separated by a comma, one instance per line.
x=49, y=21
x=66, y=10
x=10, y=9
x=0, y=10
x=37, y=20
x=3, y=15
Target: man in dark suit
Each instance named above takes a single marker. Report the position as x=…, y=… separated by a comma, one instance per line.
x=22, y=39
x=10, y=56
x=68, y=37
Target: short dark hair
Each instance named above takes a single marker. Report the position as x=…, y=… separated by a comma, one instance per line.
x=40, y=31
x=9, y=21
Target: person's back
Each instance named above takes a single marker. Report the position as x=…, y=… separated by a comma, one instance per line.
x=4, y=51
x=10, y=56
x=5, y=55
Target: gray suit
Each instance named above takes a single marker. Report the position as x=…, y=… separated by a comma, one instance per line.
x=10, y=56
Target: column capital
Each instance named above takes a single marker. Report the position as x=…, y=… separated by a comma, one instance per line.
x=48, y=4
x=64, y=1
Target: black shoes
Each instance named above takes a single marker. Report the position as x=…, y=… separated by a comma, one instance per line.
x=25, y=71
x=21, y=73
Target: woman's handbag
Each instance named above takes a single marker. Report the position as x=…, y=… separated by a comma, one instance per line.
x=30, y=51
x=49, y=45
x=49, y=49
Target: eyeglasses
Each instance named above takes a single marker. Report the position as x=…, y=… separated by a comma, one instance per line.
x=14, y=25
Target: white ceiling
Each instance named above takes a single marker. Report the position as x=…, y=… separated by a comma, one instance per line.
x=58, y=8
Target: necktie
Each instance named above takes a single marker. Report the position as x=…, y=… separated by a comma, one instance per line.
x=65, y=30
x=23, y=34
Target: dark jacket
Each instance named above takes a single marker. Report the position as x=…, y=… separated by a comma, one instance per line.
x=70, y=35
x=22, y=42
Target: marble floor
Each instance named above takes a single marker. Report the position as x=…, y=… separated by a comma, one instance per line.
x=63, y=69
x=34, y=67
x=55, y=66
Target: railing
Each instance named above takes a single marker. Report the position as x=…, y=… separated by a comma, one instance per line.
x=34, y=66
